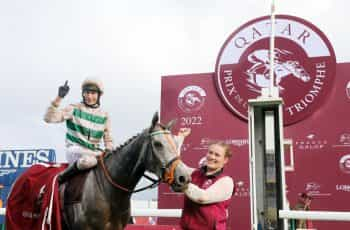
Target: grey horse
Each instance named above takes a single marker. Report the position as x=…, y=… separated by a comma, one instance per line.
x=105, y=203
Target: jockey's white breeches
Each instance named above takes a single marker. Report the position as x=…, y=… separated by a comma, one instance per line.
x=85, y=158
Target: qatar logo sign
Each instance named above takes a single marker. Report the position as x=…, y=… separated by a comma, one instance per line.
x=304, y=66
x=191, y=98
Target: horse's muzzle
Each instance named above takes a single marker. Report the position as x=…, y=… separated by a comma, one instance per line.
x=181, y=178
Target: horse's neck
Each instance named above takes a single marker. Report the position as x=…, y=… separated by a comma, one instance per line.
x=126, y=166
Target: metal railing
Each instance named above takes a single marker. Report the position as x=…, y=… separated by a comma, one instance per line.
x=283, y=214
x=315, y=215
x=142, y=212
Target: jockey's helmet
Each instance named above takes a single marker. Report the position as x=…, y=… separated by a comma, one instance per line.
x=92, y=84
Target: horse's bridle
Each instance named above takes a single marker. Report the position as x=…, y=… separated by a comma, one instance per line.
x=168, y=170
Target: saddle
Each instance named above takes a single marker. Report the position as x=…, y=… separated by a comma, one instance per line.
x=71, y=197
x=71, y=191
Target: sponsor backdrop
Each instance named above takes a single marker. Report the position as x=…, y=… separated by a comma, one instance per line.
x=14, y=163
x=316, y=92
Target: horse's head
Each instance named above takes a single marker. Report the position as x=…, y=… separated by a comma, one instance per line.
x=297, y=70
x=164, y=159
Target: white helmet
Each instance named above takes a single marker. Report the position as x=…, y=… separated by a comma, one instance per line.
x=92, y=84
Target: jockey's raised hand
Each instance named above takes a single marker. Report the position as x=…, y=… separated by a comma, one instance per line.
x=63, y=90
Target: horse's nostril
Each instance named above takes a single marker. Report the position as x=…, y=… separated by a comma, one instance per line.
x=182, y=179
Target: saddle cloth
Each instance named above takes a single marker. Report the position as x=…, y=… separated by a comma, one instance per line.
x=33, y=203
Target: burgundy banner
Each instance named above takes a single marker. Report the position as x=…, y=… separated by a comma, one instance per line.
x=320, y=145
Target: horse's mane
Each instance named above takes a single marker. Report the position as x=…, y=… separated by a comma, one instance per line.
x=118, y=148
x=121, y=146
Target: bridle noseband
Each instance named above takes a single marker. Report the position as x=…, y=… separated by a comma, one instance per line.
x=168, y=170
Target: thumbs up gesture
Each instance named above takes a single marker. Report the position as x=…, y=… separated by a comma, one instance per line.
x=63, y=90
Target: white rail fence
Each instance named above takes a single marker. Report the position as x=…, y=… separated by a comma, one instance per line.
x=284, y=214
x=315, y=215
x=142, y=212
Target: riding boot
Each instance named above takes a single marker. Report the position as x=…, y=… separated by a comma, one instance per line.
x=68, y=173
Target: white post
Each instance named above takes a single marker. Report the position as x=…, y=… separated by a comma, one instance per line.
x=273, y=92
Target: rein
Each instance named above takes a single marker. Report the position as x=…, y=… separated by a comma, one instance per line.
x=116, y=185
x=168, y=170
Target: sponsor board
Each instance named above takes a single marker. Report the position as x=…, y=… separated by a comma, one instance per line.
x=316, y=112
x=15, y=162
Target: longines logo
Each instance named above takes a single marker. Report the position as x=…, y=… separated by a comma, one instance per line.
x=304, y=66
x=12, y=160
x=191, y=98
x=343, y=187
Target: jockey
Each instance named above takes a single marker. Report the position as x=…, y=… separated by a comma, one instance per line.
x=86, y=125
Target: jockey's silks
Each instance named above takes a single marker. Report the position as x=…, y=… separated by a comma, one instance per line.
x=85, y=126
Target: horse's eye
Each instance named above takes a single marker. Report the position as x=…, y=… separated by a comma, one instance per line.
x=157, y=144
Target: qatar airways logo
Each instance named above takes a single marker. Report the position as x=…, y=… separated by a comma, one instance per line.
x=304, y=66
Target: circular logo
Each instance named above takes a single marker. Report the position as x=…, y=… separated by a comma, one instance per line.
x=344, y=164
x=348, y=89
x=304, y=66
x=191, y=98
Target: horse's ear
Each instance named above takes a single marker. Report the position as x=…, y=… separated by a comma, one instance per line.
x=170, y=125
x=155, y=120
